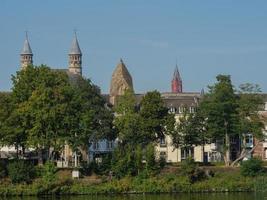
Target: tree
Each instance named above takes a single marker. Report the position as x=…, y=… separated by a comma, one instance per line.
x=11, y=127
x=92, y=119
x=50, y=108
x=251, y=124
x=42, y=102
x=231, y=115
x=220, y=106
x=190, y=131
x=155, y=117
x=128, y=120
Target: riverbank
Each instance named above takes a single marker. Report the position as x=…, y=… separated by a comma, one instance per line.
x=224, y=180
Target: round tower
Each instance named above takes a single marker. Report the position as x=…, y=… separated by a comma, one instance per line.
x=26, y=54
x=75, y=57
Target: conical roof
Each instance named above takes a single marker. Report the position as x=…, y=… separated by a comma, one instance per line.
x=121, y=80
x=176, y=74
x=75, y=48
x=26, y=50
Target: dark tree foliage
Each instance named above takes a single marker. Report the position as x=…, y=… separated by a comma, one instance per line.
x=47, y=109
x=156, y=120
x=252, y=167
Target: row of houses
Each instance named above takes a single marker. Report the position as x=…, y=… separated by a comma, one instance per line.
x=176, y=101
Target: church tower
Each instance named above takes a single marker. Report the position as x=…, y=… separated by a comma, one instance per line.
x=75, y=57
x=120, y=82
x=177, y=84
x=26, y=54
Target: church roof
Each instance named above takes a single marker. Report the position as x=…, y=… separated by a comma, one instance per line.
x=176, y=74
x=121, y=80
x=75, y=48
x=26, y=50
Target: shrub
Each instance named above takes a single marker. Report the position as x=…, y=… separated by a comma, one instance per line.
x=123, y=162
x=162, y=162
x=150, y=158
x=49, y=172
x=20, y=171
x=192, y=171
x=251, y=167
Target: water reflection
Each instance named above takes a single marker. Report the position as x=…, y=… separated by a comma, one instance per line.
x=215, y=196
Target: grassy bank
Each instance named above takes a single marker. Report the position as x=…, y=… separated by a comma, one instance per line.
x=224, y=180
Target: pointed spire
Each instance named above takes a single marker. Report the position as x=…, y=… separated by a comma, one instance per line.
x=26, y=50
x=75, y=47
x=177, y=84
x=176, y=74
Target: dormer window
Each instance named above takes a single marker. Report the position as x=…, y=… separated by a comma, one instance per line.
x=163, y=141
x=95, y=145
x=181, y=109
x=192, y=109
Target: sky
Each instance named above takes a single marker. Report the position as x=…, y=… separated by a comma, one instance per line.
x=205, y=38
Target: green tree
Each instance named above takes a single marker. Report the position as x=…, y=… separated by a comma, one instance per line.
x=185, y=135
x=220, y=106
x=251, y=123
x=232, y=115
x=50, y=108
x=156, y=121
x=12, y=132
x=92, y=118
x=46, y=109
x=128, y=120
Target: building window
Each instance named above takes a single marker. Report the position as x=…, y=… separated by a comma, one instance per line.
x=95, y=145
x=249, y=140
x=172, y=110
x=109, y=144
x=192, y=109
x=187, y=152
x=162, y=141
x=163, y=155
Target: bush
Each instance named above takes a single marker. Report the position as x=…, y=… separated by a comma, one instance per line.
x=49, y=172
x=192, y=171
x=150, y=158
x=162, y=162
x=251, y=167
x=20, y=171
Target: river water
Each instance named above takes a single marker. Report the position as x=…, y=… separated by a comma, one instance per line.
x=215, y=196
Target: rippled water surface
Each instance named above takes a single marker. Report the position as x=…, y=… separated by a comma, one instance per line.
x=233, y=196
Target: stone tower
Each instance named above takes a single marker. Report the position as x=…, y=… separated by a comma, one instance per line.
x=75, y=57
x=26, y=54
x=177, y=84
x=120, y=82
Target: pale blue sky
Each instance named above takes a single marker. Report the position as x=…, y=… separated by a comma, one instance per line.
x=206, y=37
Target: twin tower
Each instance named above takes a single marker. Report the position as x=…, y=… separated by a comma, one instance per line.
x=121, y=78
x=75, y=56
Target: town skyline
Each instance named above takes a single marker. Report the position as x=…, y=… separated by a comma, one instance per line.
x=202, y=46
